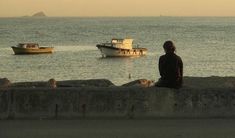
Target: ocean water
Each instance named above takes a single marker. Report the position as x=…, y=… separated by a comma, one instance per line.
x=205, y=44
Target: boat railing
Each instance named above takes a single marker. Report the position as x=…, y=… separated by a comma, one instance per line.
x=107, y=44
x=135, y=45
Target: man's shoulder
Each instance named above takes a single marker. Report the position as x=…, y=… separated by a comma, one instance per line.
x=162, y=57
x=170, y=56
x=178, y=58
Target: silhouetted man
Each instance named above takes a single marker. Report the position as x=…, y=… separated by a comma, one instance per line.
x=170, y=68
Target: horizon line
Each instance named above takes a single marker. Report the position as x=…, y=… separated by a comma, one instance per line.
x=108, y=16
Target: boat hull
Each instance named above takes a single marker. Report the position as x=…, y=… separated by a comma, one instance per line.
x=108, y=51
x=41, y=50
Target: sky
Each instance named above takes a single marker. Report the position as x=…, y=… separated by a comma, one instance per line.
x=15, y=8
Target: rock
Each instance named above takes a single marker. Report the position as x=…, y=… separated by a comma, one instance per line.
x=52, y=83
x=140, y=82
x=84, y=83
x=39, y=14
x=30, y=84
x=209, y=82
x=4, y=83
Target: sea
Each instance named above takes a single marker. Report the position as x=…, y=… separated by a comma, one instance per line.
x=205, y=44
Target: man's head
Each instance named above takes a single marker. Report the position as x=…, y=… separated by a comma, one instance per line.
x=169, y=47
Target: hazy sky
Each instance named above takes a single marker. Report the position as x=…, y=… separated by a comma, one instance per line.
x=9, y=8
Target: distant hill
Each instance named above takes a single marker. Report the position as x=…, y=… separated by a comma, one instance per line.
x=39, y=14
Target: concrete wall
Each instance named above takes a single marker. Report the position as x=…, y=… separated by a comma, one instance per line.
x=116, y=102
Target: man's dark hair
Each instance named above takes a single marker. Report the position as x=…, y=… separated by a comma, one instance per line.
x=169, y=47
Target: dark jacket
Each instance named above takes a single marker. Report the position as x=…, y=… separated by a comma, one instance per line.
x=171, y=71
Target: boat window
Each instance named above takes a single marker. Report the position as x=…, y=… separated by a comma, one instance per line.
x=120, y=41
x=114, y=41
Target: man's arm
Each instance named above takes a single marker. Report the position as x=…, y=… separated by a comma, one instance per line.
x=160, y=66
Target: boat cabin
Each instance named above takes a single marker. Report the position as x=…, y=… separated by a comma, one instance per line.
x=122, y=43
x=28, y=45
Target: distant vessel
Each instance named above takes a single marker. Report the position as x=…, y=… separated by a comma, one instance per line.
x=31, y=48
x=120, y=48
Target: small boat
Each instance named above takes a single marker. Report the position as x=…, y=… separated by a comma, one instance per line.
x=31, y=48
x=120, y=48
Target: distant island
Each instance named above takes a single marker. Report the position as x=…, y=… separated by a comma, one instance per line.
x=39, y=14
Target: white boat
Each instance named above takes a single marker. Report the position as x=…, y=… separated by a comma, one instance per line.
x=120, y=48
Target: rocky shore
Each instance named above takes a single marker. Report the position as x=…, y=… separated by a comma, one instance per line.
x=198, y=98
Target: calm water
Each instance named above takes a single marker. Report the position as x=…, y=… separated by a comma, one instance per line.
x=206, y=45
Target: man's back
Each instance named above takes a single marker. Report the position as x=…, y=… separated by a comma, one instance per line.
x=171, y=70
